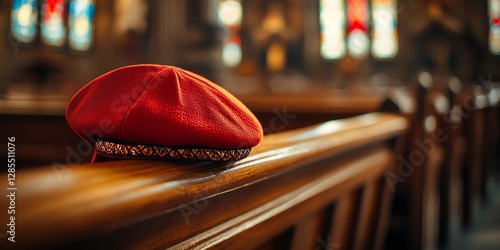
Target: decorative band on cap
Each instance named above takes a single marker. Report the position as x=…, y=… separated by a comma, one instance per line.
x=128, y=150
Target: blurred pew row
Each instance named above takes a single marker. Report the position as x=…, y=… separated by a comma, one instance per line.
x=449, y=160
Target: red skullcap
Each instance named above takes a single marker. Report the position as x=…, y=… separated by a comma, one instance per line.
x=156, y=111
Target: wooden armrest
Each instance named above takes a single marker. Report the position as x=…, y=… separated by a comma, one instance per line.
x=62, y=203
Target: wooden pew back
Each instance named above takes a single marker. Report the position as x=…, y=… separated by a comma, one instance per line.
x=321, y=185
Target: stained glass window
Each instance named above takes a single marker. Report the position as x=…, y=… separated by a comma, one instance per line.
x=53, y=28
x=385, y=37
x=332, y=25
x=229, y=14
x=231, y=51
x=49, y=17
x=81, y=14
x=24, y=20
x=346, y=27
x=358, y=43
x=494, y=16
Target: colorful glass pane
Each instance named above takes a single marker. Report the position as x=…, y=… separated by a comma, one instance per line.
x=332, y=26
x=81, y=15
x=494, y=37
x=53, y=28
x=385, y=37
x=231, y=52
x=358, y=42
x=24, y=18
x=229, y=14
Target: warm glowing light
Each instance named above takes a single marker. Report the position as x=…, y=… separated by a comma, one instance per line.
x=53, y=28
x=81, y=26
x=24, y=14
x=231, y=54
x=494, y=36
x=332, y=24
x=24, y=20
x=230, y=12
x=274, y=22
x=276, y=57
x=385, y=37
x=81, y=13
x=229, y=15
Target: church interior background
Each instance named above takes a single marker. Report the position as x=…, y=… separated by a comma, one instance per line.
x=263, y=45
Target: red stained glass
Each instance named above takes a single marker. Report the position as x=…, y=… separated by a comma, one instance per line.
x=496, y=21
x=54, y=7
x=357, y=15
x=53, y=27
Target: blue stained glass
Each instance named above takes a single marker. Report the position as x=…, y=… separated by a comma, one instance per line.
x=53, y=28
x=81, y=14
x=24, y=17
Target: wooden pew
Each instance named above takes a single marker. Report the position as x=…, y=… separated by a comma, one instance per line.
x=468, y=120
x=319, y=186
x=427, y=138
x=445, y=189
x=473, y=103
x=492, y=136
x=453, y=158
x=415, y=218
x=480, y=105
x=35, y=116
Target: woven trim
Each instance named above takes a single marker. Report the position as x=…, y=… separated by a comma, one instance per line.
x=115, y=149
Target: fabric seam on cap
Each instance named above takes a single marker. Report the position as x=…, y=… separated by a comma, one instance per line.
x=133, y=104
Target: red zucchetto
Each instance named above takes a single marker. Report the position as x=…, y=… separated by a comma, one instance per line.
x=162, y=112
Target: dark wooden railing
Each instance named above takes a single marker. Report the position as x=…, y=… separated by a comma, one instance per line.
x=321, y=185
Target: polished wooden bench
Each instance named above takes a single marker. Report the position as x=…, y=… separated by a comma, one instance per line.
x=318, y=186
